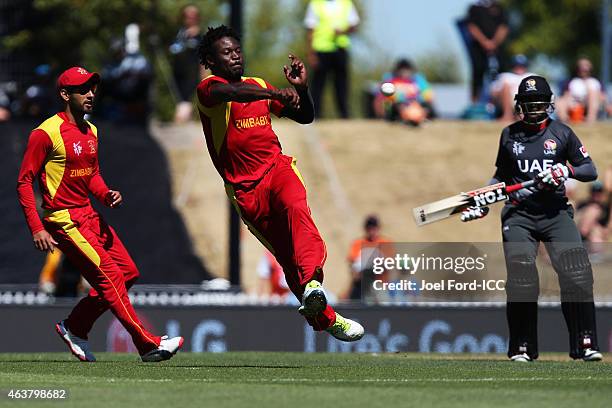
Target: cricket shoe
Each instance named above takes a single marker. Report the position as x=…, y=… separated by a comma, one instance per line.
x=165, y=351
x=78, y=347
x=592, y=355
x=314, y=299
x=521, y=358
x=346, y=329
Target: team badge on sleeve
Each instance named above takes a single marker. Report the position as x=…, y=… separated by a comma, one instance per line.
x=584, y=152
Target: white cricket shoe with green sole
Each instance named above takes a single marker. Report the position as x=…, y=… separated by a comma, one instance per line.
x=346, y=329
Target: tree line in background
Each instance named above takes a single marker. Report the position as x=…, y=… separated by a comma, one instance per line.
x=561, y=29
x=68, y=32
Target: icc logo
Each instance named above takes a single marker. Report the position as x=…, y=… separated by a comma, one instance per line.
x=77, y=148
x=517, y=148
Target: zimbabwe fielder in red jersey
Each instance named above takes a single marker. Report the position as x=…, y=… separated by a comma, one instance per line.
x=62, y=153
x=264, y=185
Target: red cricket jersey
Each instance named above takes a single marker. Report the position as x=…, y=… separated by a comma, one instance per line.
x=239, y=135
x=65, y=161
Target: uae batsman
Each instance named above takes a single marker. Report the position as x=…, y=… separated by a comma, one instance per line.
x=263, y=184
x=538, y=147
x=62, y=153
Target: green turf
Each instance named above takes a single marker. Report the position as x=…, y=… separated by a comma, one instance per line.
x=312, y=380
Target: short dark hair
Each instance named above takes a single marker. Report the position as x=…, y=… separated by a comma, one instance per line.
x=404, y=63
x=371, y=221
x=212, y=35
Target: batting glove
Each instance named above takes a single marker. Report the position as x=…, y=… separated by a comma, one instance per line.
x=474, y=213
x=554, y=176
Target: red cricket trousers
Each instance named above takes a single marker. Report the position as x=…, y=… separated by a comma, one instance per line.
x=93, y=246
x=276, y=211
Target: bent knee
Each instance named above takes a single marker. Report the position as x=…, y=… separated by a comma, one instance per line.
x=131, y=272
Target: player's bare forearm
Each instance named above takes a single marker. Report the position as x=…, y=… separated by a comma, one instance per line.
x=500, y=35
x=477, y=34
x=240, y=92
x=305, y=113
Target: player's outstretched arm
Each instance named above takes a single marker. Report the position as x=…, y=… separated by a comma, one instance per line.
x=240, y=92
x=298, y=77
x=243, y=92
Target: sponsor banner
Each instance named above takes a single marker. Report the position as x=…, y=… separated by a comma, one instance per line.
x=219, y=329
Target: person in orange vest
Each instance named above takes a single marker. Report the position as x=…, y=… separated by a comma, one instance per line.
x=363, y=249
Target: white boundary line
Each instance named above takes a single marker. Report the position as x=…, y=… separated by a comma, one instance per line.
x=328, y=380
x=335, y=186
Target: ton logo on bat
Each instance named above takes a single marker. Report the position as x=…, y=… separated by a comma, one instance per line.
x=490, y=197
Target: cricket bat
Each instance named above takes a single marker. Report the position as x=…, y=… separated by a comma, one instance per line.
x=481, y=197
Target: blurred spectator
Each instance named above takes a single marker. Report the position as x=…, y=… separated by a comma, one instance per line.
x=328, y=24
x=126, y=81
x=487, y=26
x=40, y=98
x=506, y=86
x=582, y=96
x=186, y=67
x=47, y=281
x=271, y=277
x=410, y=97
x=593, y=216
x=5, y=105
x=361, y=254
x=60, y=278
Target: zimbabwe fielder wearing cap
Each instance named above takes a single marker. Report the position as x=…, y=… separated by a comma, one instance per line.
x=62, y=153
x=263, y=184
x=538, y=147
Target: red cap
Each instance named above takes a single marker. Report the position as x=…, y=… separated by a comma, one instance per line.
x=76, y=76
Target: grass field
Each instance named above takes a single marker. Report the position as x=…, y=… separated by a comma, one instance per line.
x=310, y=380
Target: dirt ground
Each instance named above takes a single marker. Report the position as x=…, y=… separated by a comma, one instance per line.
x=351, y=169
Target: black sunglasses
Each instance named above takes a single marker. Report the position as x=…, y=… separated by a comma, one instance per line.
x=82, y=89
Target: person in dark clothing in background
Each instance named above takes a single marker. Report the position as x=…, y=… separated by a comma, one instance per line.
x=488, y=27
x=186, y=67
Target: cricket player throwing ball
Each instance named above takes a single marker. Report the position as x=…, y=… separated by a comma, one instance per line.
x=63, y=154
x=264, y=185
x=538, y=147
